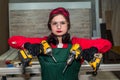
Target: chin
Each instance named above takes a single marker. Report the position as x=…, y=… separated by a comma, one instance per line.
x=60, y=34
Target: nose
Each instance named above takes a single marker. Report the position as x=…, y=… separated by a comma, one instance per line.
x=58, y=25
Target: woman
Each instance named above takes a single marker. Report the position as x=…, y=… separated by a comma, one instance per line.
x=61, y=43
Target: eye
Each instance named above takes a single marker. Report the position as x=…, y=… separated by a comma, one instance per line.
x=54, y=23
x=62, y=22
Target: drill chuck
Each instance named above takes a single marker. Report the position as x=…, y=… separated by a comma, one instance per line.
x=69, y=61
x=47, y=49
x=75, y=52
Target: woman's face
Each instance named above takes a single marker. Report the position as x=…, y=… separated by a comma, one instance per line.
x=59, y=25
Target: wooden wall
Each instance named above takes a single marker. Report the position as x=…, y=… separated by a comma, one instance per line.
x=33, y=23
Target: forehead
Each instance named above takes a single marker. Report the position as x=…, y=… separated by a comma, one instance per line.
x=59, y=17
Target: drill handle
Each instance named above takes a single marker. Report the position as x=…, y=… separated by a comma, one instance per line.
x=25, y=57
x=95, y=63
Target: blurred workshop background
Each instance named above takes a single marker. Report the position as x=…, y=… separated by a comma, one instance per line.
x=94, y=18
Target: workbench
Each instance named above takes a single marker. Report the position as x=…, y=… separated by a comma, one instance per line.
x=35, y=69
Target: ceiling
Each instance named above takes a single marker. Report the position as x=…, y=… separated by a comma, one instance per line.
x=24, y=1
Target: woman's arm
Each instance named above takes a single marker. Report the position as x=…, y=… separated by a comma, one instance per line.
x=102, y=45
x=19, y=41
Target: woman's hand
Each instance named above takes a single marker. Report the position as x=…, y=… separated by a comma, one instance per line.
x=88, y=54
x=33, y=49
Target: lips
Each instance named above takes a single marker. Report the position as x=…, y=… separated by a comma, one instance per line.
x=58, y=31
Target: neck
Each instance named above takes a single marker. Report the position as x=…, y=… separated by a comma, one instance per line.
x=60, y=39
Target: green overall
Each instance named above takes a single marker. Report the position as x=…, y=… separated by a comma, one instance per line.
x=53, y=71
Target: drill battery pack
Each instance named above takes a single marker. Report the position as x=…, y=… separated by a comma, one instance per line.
x=25, y=57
